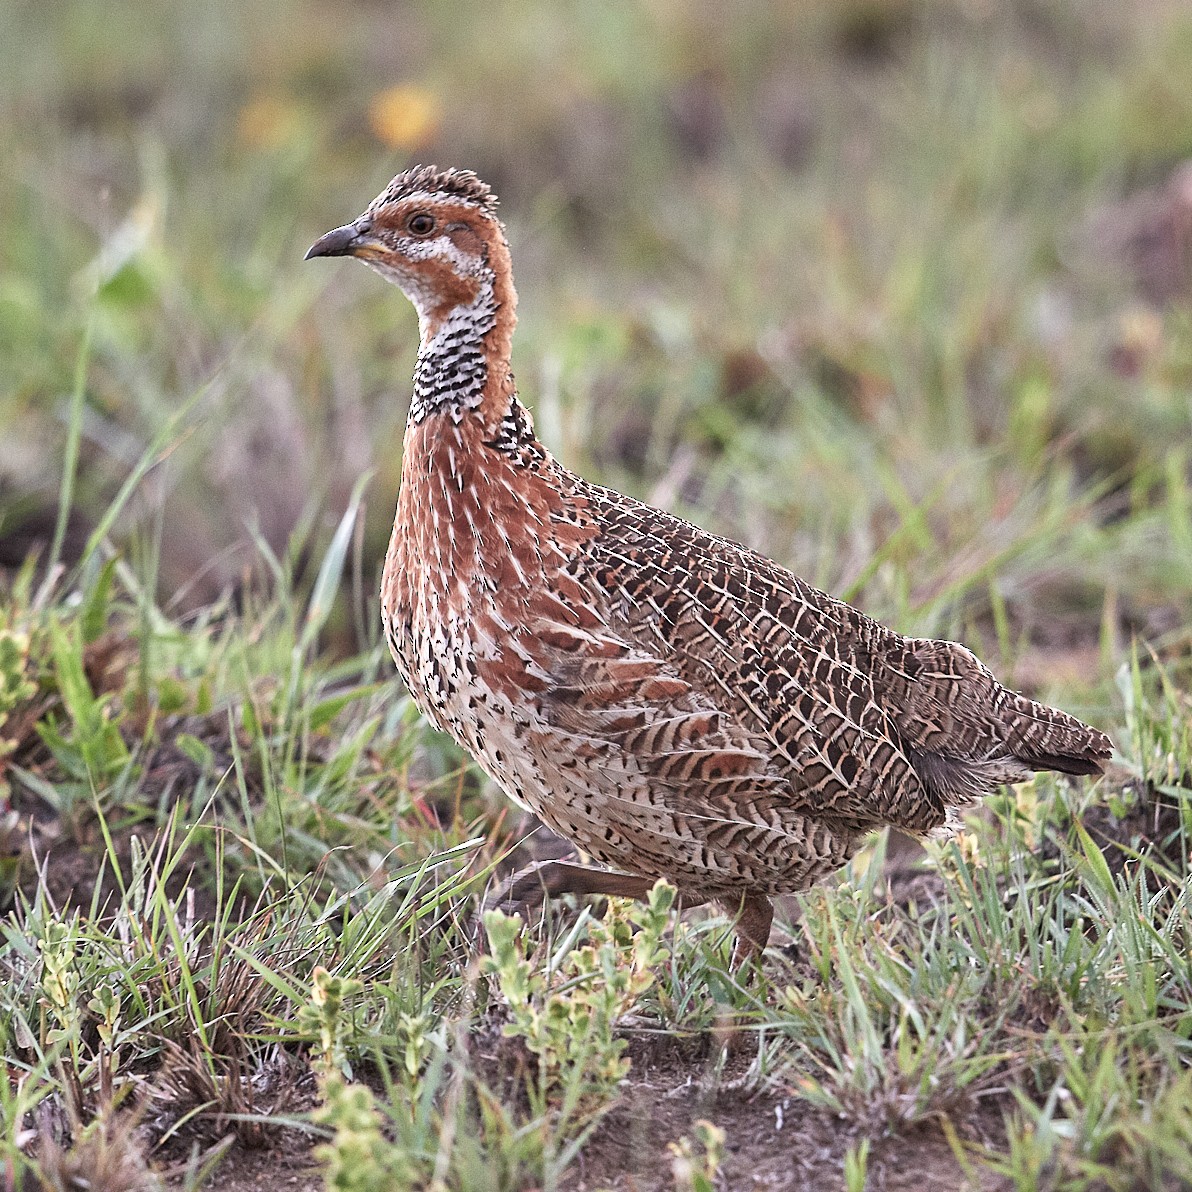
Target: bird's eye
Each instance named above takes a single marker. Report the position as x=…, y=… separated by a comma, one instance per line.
x=420, y=224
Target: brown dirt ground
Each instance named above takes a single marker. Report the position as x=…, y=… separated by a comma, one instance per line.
x=774, y=1141
x=285, y=1166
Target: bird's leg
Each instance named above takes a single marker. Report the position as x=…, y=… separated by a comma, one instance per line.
x=754, y=913
x=529, y=887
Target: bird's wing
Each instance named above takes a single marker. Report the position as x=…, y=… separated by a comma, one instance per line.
x=868, y=727
x=644, y=769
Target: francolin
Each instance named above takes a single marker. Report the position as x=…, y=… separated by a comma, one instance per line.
x=676, y=705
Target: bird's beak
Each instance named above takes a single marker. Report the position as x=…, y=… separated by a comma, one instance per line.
x=341, y=242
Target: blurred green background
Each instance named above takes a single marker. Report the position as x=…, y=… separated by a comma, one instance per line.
x=896, y=290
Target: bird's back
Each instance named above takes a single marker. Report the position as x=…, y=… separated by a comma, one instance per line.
x=866, y=726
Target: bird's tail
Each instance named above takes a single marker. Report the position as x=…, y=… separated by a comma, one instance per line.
x=1044, y=738
x=965, y=733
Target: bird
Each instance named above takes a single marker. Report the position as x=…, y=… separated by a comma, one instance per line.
x=676, y=705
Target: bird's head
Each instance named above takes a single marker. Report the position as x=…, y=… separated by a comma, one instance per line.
x=434, y=233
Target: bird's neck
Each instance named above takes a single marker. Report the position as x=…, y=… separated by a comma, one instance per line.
x=463, y=370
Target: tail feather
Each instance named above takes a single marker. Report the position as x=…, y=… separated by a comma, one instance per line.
x=1064, y=763
x=1044, y=738
x=965, y=733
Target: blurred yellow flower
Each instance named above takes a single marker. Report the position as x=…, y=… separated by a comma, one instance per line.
x=268, y=121
x=405, y=117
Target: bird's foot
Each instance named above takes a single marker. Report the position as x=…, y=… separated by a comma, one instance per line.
x=529, y=888
x=755, y=914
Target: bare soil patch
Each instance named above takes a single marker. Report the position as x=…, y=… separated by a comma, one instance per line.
x=774, y=1141
x=286, y=1165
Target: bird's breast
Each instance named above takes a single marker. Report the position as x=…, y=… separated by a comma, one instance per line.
x=478, y=552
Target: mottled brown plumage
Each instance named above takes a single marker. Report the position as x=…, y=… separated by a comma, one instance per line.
x=676, y=705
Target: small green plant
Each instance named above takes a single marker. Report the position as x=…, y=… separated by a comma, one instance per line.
x=413, y=1033
x=59, y=981
x=695, y=1165
x=856, y=1166
x=358, y=1158
x=323, y=1017
x=567, y=1014
x=87, y=744
x=16, y=687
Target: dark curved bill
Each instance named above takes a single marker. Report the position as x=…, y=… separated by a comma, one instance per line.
x=339, y=242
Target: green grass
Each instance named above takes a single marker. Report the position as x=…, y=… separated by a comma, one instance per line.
x=857, y=283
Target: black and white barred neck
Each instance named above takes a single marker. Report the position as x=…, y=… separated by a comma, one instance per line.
x=451, y=374
x=452, y=369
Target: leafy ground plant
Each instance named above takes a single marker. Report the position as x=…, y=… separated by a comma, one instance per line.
x=567, y=1012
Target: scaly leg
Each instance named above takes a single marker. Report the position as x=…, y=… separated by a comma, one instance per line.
x=754, y=914
x=531, y=886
